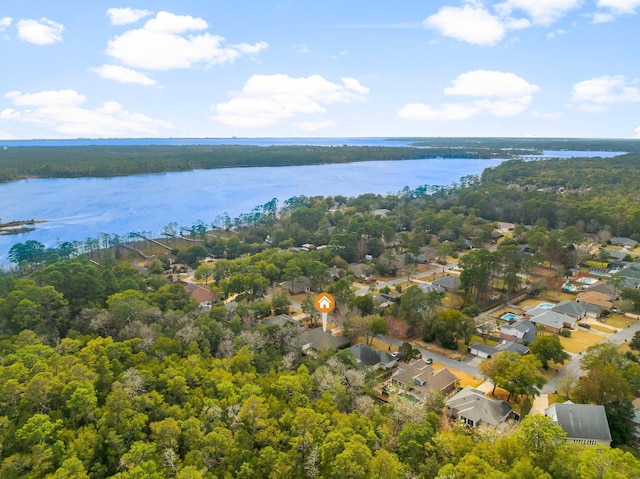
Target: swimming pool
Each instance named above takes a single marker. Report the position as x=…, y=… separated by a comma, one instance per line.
x=546, y=305
x=509, y=316
x=587, y=280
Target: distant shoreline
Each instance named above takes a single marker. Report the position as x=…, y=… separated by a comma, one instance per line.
x=18, y=227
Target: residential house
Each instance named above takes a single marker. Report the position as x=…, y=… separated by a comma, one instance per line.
x=597, y=300
x=317, y=341
x=574, y=309
x=473, y=408
x=627, y=243
x=298, y=285
x=418, y=379
x=284, y=321
x=584, y=423
x=602, y=288
x=428, y=288
x=336, y=273
x=485, y=351
x=522, y=332
x=631, y=275
x=551, y=320
x=204, y=295
x=360, y=270
x=369, y=357
x=449, y=282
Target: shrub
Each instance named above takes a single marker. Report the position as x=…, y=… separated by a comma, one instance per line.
x=566, y=332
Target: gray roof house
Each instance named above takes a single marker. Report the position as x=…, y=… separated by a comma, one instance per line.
x=601, y=287
x=448, y=282
x=428, y=288
x=625, y=242
x=298, y=285
x=584, y=423
x=572, y=308
x=318, y=340
x=523, y=332
x=473, y=408
x=484, y=351
x=551, y=320
x=369, y=357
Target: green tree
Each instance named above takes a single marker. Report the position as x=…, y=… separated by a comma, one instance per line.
x=547, y=348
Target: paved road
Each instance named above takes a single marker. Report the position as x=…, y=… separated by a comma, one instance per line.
x=573, y=367
x=433, y=269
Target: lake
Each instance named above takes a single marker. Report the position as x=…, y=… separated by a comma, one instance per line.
x=81, y=208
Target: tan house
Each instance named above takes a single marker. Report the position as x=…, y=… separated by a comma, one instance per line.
x=593, y=298
x=418, y=379
x=202, y=294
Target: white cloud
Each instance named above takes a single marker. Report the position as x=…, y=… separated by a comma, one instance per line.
x=620, y=6
x=123, y=75
x=596, y=94
x=5, y=22
x=40, y=32
x=471, y=23
x=613, y=9
x=123, y=16
x=603, y=17
x=446, y=112
x=162, y=44
x=541, y=12
x=61, y=113
x=314, y=125
x=547, y=116
x=496, y=93
x=637, y=131
x=265, y=100
x=489, y=83
x=302, y=48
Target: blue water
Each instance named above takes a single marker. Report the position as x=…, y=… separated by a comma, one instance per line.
x=81, y=208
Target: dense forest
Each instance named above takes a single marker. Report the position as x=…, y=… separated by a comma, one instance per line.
x=21, y=162
x=109, y=369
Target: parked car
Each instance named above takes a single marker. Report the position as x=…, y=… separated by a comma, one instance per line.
x=429, y=361
x=584, y=325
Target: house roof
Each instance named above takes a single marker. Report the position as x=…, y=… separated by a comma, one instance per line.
x=200, y=293
x=509, y=346
x=601, y=287
x=322, y=341
x=283, y=320
x=581, y=421
x=301, y=283
x=595, y=298
x=473, y=404
x=550, y=318
x=428, y=287
x=523, y=329
x=418, y=373
x=624, y=242
x=448, y=281
x=365, y=354
x=572, y=308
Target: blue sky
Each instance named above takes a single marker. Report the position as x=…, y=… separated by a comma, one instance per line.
x=548, y=68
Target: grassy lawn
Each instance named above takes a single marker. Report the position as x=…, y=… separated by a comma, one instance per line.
x=475, y=338
x=579, y=341
x=601, y=328
x=464, y=379
x=619, y=321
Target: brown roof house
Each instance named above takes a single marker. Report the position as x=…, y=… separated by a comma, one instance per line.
x=418, y=379
x=202, y=294
x=593, y=298
x=473, y=408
